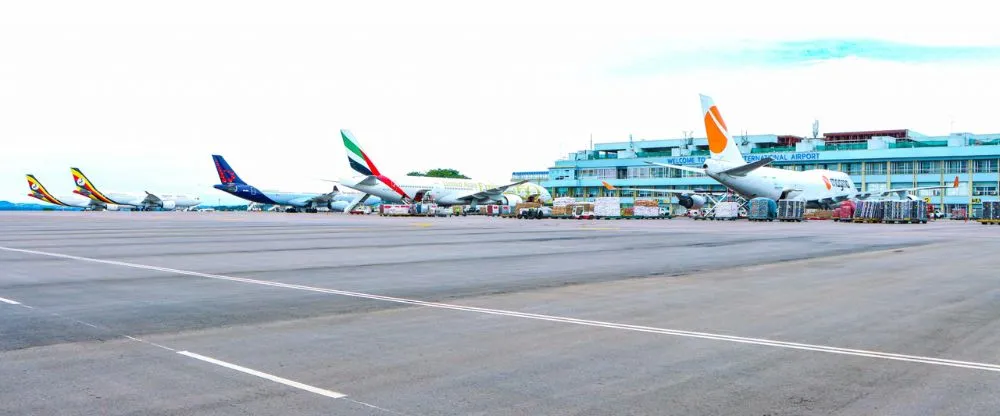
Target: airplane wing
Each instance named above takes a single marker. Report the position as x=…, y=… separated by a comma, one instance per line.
x=679, y=167
x=747, y=168
x=902, y=192
x=152, y=200
x=492, y=193
x=321, y=199
x=611, y=187
x=370, y=180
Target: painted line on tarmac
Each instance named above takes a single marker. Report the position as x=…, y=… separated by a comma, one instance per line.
x=263, y=375
x=250, y=371
x=550, y=318
x=9, y=301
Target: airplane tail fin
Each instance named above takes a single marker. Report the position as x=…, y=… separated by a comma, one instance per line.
x=86, y=188
x=720, y=142
x=226, y=173
x=360, y=161
x=38, y=191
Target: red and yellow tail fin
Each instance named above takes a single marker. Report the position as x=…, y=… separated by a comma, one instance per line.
x=87, y=189
x=39, y=192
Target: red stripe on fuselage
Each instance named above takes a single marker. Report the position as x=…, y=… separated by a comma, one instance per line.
x=392, y=185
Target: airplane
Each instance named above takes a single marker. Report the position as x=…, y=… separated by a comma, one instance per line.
x=141, y=201
x=819, y=188
x=38, y=191
x=295, y=201
x=443, y=191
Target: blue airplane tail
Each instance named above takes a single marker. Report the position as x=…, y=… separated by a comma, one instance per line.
x=226, y=173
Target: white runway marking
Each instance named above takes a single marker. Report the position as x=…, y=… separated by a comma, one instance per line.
x=266, y=376
x=550, y=318
x=9, y=302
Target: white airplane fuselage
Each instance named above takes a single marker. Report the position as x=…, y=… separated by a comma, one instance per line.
x=444, y=191
x=170, y=201
x=815, y=185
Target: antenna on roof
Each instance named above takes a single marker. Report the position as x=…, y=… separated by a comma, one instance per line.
x=688, y=137
x=743, y=139
x=815, y=128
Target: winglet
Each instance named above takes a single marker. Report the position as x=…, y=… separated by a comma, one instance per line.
x=608, y=186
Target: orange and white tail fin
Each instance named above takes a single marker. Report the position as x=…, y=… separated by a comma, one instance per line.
x=720, y=142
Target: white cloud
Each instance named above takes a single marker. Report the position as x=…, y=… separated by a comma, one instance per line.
x=139, y=96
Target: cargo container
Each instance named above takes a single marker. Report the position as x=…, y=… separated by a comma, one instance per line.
x=423, y=209
x=646, y=208
x=726, y=211
x=607, y=207
x=905, y=211
x=869, y=211
x=563, y=201
x=791, y=210
x=394, y=209
x=762, y=209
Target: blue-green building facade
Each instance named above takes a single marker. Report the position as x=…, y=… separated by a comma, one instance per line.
x=876, y=160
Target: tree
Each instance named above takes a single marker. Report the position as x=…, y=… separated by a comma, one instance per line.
x=440, y=173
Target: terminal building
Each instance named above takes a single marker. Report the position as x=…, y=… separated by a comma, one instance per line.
x=876, y=160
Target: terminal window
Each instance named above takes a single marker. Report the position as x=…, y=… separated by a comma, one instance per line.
x=902, y=168
x=985, y=166
x=930, y=166
x=984, y=190
x=955, y=166
x=875, y=168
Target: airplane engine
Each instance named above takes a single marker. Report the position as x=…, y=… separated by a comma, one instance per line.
x=168, y=205
x=113, y=207
x=691, y=201
x=337, y=206
x=511, y=200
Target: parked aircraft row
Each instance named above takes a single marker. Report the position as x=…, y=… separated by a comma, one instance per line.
x=87, y=196
x=372, y=187
x=820, y=188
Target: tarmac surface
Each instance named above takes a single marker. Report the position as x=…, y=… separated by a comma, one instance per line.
x=118, y=313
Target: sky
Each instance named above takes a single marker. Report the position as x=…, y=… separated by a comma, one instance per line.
x=139, y=95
